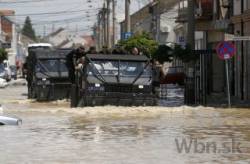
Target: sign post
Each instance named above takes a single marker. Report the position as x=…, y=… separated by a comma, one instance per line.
x=225, y=51
x=228, y=84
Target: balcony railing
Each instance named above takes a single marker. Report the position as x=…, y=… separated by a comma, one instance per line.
x=203, y=11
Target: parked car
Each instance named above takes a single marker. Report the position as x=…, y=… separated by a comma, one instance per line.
x=3, y=84
x=5, y=73
x=13, y=72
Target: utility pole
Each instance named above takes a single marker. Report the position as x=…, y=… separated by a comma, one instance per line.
x=191, y=24
x=104, y=14
x=108, y=23
x=13, y=56
x=127, y=16
x=44, y=31
x=114, y=22
x=102, y=30
x=190, y=87
x=99, y=31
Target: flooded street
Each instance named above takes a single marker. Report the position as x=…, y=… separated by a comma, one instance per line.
x=54, y=133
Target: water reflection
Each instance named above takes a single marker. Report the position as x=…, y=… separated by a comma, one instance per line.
x=103, y=129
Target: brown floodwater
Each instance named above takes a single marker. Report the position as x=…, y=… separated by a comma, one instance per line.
x=54, y=133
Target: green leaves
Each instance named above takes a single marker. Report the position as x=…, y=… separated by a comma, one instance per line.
x=143, y=42
x=167, y=54
x=163, y=54
x=185, y=54
x=3, y=55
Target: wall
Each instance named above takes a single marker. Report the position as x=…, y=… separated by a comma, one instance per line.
x=237, y=7
x=142, y=20
x=6, y=26
x=247, y=61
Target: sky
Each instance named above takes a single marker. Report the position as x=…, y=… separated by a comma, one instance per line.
x=74, y=15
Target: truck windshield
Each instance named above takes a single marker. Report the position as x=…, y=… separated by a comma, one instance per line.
x=123, y=71
x=52, y=67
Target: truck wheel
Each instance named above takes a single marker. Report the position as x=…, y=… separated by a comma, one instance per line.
x=74, y=96
x=29, y=93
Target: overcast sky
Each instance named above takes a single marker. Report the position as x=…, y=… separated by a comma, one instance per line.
x=76, y=15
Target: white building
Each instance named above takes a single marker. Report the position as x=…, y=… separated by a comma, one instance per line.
x=61, y=38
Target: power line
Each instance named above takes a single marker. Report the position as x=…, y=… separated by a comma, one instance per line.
x=69, y=20
x=50, y=13
x=24, y=1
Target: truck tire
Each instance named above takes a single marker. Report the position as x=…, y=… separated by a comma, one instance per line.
x=29, y=93
x=74, y=96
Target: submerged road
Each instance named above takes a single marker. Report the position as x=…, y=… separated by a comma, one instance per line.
x=54, y=133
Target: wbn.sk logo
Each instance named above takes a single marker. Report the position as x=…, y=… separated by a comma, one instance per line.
x=185, y=145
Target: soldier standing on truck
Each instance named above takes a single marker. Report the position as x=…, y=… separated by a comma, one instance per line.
x=73, y=59
x=157, y=74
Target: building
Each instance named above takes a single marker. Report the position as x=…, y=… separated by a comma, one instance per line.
x=89, y=41
x=241, y=22
x=61, y=38
x=212, y=22
x=6, y=25
x=156, y=18
x=9, y=34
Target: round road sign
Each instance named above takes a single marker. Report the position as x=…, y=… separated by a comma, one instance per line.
x=225, y=50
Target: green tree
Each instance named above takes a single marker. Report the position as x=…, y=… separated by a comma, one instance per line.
x=28, y=29
x=143, y=42
x=163, y=54
x=185, y=54
x=3, y=55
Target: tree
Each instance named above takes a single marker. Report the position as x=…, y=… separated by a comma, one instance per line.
x=143, y=42
x=163, y=54
x=28, y=29
x=185, y=54
x=3, y=55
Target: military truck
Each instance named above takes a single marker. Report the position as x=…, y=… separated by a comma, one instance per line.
x=122, y=80
x=47, y=74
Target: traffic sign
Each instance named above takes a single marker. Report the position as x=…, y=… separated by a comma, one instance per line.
x=127, y=35
x=230, y=37
x=225, y=50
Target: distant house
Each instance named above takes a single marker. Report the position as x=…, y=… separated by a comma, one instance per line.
x=6, y=29
x=61, y=38
x=89, y=40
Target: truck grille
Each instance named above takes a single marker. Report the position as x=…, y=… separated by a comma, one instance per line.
x=118, y=88
x=123, y=88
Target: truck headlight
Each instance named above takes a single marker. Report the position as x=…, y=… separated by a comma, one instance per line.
x=140, y=86
x=97, y=85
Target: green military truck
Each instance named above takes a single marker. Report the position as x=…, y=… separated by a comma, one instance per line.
x=47, y=74
x=122, y=80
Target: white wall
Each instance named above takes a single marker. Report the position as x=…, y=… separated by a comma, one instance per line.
x=167, y=25
x=200, y=40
